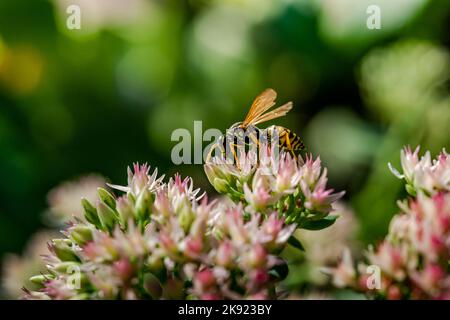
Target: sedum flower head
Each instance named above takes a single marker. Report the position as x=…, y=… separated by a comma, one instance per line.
x=165, y=240
x=424, y=174
x=413, y=258
x=271, y=181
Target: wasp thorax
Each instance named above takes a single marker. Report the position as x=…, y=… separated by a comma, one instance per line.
x=243, y=136
x=239, y=141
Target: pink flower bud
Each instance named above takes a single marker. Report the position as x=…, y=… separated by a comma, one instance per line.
x=194, y=247
x=394, y=293
x=225, y=254
x=162, y=204
x=434, y=273
x=124, y=269
x=257, y=256
x=260, y=277
x=167, y=242
x=90, y=250
x=272, y=226
x=204, y=279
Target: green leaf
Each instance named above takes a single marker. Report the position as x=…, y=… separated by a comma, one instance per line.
x=280, y=271
x=319, y=224
x=293, y=241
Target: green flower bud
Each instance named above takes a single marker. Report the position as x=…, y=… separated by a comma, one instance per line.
x=185, y=214
x=41, y=279
x=107, y=198
x=63, y=250
x=155, y=264
x=185, y=219
x=225, y=179
x=125, y=209
x=289, y=219
x=66, y=267
x=410, y=189
x=81, y=234
x=90, y=213
x=107, y=216
x=221, y=185
x=67, y=241
x=143, y=205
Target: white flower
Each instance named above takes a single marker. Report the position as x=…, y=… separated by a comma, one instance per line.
x=259, y=197
x=424, y=174
x=140, y=180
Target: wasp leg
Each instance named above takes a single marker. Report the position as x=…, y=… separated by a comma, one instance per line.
x=212, y=150
x=208, y=157
x=235, y=156
x=288, y=143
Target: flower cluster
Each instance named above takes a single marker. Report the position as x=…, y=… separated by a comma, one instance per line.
x=165, y=240
x=414, y=257
x=294, y=187
x=424, y=174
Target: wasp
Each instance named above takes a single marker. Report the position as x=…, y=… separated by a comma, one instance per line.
x=246, y=134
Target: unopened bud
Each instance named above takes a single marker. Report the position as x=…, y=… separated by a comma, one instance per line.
x=143, y=205
x=194, y=247
x=125, y=209
x=225, y=254
x=63, y=251
x=66, y=267
x=107, y=215
x=107, y=198
x=257, y=256
x=124, y=269
x=185, y=217
x=90, y=213
x=155, y=263
x=41, y=279
x=81, y=234
x=205, y=279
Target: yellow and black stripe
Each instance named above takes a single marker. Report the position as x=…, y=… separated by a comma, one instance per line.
x=287, y=139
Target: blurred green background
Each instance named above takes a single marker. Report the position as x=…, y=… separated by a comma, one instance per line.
x=94, y=100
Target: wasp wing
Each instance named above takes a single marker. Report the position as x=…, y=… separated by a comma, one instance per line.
x=261, y=104
x=276, y=113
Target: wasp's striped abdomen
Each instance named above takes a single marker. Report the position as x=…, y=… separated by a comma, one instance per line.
x=286, y=138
